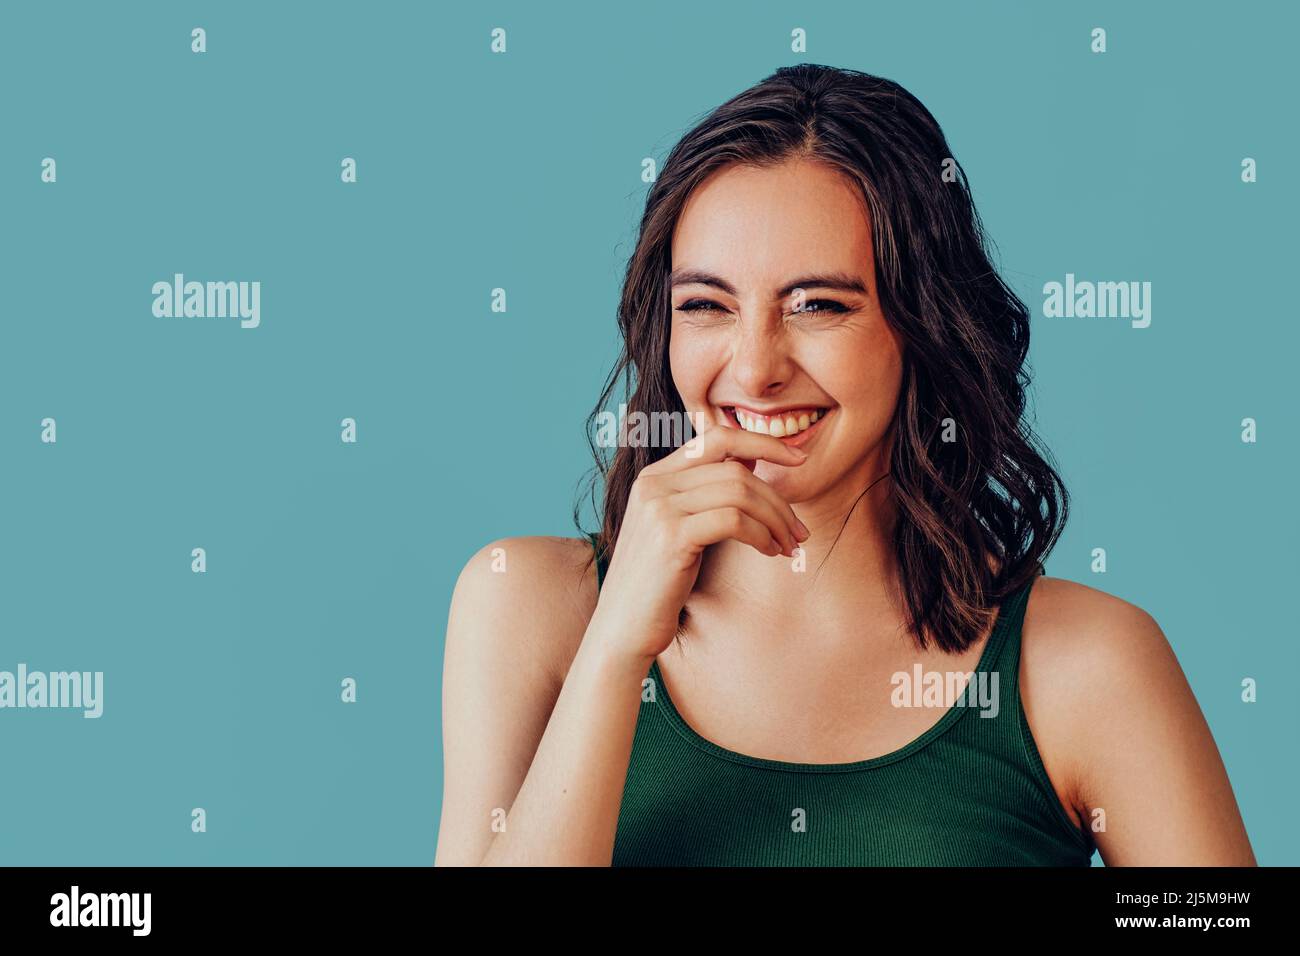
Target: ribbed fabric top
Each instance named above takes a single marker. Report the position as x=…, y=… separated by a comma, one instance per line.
x=970, y=791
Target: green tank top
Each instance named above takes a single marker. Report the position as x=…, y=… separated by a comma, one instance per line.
x=970, y=791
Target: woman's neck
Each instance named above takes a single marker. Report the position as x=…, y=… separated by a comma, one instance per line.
x=846, y=567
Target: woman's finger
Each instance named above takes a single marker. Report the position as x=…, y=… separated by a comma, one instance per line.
x=736, y=471
x=730, y=493
x=720, y=443
x=710, y=527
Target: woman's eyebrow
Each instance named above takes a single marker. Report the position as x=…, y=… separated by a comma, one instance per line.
x=826, y=280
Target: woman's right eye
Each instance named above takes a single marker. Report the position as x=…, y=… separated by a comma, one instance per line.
x=699, y=305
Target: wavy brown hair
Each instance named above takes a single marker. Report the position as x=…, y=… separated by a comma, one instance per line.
x=965, y=334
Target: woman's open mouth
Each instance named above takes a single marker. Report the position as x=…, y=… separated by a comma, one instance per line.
x=794, y=426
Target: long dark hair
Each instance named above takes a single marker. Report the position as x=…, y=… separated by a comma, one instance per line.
x=965, y=336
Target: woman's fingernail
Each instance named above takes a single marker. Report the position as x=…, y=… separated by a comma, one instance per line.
x=802, y=528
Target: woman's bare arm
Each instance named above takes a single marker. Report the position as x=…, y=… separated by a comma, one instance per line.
x=553, y=748
x=1113, y=705
x=536, y=737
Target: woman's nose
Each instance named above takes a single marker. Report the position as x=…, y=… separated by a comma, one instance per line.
x=760, y=360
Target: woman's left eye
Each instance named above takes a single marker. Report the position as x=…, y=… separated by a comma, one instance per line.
x=699, y=305
x=834, y=306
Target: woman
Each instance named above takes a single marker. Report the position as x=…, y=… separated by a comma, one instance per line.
x=752, y=676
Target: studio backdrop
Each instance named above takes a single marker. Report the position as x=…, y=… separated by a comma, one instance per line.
x=305, y=303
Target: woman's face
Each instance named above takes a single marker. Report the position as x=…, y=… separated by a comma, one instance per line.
x=776, y=325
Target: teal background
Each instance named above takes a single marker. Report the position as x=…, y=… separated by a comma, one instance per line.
x=522, y=170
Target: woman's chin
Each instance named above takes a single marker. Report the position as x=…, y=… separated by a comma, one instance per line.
x=794, y=488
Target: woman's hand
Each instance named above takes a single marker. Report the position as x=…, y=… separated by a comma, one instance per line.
x=697, y=496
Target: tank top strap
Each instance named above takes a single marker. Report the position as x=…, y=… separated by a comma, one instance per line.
x=1001, y=657
x=1010, y=623
x=1011, y=728
x=601, y=561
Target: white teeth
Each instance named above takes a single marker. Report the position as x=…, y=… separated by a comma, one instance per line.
x=779, y=426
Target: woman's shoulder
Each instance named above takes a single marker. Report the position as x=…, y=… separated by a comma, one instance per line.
x=1093, y=666
x=528, y=597
x=1077, y=632
x=540, y=557
x=1121, y=733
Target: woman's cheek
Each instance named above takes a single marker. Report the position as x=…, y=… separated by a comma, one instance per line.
x=695, y=360
x=863, y=372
